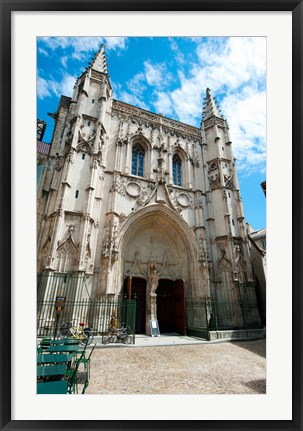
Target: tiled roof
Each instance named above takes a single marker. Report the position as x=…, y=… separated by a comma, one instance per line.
x=42, y=147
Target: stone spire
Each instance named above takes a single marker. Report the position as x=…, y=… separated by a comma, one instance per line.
x=99, y=62
x=210, y=107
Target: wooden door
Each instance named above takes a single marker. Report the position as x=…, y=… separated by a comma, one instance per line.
x=165, y=306
x=170, y=306
x=139, y=292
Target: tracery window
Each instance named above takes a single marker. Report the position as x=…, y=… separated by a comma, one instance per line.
x=177, y=170
x=138, y=155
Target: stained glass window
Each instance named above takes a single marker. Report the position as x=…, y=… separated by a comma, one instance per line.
x=138, y=160
x=177, y=170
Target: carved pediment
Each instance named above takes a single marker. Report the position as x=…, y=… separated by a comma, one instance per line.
x=84, y=147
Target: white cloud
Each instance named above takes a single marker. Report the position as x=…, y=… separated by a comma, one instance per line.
x=157, y=74
x=153, y=74
x=115, y=43
x=82, y=45
x=178, y=55
x=232, y=62
x=42, y=88
x=187, y=100
x=50, y=87
x=173, y=44
x=67, y=85
x=77, y=43
x=247, y=121
x=43, y=52
x=163, y=103
x=136, y=84
x=235, y=70
x=64, y=61
x=132, y=100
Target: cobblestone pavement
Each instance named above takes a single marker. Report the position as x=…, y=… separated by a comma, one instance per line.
x=218, y=368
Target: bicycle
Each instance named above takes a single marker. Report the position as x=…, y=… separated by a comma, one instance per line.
x=123, y=334
x=84, y=335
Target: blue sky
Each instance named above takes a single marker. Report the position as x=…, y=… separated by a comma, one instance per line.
x=170, y=76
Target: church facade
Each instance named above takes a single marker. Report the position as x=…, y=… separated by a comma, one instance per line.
x=141, y=204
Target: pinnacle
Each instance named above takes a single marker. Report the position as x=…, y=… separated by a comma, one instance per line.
x=99, y=62
x=210, y=106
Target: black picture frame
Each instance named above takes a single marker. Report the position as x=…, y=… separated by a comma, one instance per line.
x=7, y=7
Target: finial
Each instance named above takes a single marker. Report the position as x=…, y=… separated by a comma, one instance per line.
x=99, y=62
x=210, y=106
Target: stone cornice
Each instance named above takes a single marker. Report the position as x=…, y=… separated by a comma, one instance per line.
x=156, y=119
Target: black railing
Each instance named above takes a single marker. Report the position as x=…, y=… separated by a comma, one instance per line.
x=207, y=314
x=95, y=313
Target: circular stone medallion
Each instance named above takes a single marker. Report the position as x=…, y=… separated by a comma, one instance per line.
x=183, y=200
x=133, y=189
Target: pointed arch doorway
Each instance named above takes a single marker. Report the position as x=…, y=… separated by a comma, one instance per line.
x=156, y=236
x=171, y=313
x=171, y=306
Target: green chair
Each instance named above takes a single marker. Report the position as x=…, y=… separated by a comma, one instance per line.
x=53, y=387
x=86, y=361
x=72, y=375
x=71, y=341
x=45, y=343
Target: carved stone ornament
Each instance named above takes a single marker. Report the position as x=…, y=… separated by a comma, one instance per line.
x=214, y=181
x=95, y=162
x=118, y=185
x=157, y=120
x=84, y=147
x=203, y=257
x=70, y=158
x=212, y=166
x=122, y=218
x=240, y=264
x=183, y=200
x=133, y=189
x=238, y=196
x=110, y=249
x=69, y=236
x=195, y=161
x=59, y=163
x=228, y=179
x=198, y=204
x=174, y=202
x=161, y=171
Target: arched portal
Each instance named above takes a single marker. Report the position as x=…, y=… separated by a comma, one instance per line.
x=157, y=238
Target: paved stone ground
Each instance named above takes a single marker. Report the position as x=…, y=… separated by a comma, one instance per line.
x=218, y=368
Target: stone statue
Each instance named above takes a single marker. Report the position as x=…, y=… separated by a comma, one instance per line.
x=153, y=280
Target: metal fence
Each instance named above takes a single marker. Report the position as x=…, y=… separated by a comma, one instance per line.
x=95, y=313
x=207, y=314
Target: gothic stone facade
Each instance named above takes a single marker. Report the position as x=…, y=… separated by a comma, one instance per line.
x=141, y=202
